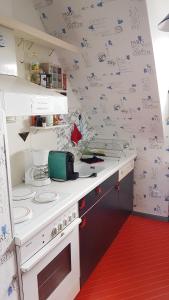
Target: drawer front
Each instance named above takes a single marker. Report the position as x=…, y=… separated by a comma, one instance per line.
x=126, y=169
x=86, y=202
x=108, y=184
x=90, y=199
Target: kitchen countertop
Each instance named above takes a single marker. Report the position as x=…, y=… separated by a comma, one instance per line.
x=70, y=193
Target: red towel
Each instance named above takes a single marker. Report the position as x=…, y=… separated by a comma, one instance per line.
x=76, y=135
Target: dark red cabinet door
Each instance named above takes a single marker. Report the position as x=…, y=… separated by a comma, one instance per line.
x=102, y=222
x=97, y=230
x=96, y=194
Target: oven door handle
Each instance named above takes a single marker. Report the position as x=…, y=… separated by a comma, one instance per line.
x=35, y=259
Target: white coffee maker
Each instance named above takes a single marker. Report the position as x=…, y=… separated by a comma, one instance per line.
x=36, y=167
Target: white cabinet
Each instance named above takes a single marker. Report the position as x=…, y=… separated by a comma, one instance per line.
x=19, y=97
x=25, y=105
x=49, y=106
x=7, y=52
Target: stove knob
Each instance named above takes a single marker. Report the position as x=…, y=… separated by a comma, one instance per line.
x=54, y=232
x=60, y=227
x=70, y=218
x=65, y=222
x=73, y=215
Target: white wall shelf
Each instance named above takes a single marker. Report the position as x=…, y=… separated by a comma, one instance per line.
x=35, y=129
x=27, y=32
x=59, y=91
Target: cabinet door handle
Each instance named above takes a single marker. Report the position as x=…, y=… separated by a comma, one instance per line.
x=83, y=223
x=98, y=190
x=117, y=186
x=82, y=203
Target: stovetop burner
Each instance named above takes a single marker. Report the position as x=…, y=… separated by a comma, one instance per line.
x=21, y=214
x=22, y=193
x=46, y=205
x=46, y=197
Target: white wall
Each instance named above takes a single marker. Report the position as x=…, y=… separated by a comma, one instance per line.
x=6, y=7
x=21, y=10
x=157, y=10
x=24, y=11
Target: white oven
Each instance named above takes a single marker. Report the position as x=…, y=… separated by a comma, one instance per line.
x=53, y=273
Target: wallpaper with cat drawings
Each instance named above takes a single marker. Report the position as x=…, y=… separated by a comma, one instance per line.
x=114, y=79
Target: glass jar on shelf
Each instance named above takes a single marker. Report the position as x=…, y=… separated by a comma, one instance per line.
x=56, y=119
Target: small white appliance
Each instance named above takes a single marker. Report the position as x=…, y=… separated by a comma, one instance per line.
x=36, y=172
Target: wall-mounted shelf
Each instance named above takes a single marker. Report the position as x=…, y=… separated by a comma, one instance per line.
x=34, y=129
x=27, y=32
x=59, y=91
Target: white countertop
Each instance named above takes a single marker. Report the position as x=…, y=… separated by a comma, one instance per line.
x=70, y=193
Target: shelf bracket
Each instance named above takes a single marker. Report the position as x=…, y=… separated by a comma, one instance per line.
x=24, y=135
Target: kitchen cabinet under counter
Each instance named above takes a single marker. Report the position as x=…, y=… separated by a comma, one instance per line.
x=98, y=226
x=103, y=211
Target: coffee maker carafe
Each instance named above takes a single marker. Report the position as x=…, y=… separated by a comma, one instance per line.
x=37, y=172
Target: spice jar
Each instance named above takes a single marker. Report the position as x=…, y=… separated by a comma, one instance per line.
x=33, y=120
x=56, y=119
x=43, y=121
x=49, y=120
x=39, y=121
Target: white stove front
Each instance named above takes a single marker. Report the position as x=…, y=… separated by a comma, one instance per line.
x=48, y=250
x=54, y=271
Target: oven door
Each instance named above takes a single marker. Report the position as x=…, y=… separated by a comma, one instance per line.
x=53, y=273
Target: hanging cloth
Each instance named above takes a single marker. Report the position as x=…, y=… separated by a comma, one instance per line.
x=76, y=135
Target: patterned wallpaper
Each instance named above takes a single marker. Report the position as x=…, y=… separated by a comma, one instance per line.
x=114, y=79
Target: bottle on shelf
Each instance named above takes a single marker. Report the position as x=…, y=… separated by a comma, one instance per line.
x=47, y=75
x=56, y=120
x=64, y=81
x=47, y=121
x=53, y=75
x=35, y=73
x=33, y=121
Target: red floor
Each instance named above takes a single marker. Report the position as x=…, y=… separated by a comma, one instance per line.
x=135, y=267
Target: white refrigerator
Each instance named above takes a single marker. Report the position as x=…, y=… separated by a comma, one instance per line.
x=8, y=266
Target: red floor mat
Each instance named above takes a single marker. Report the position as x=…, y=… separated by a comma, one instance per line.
x=135, y=267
